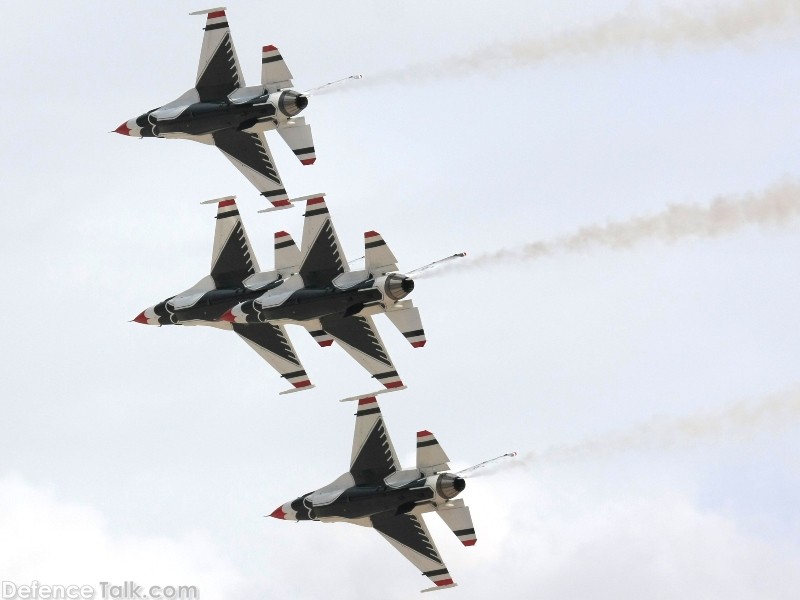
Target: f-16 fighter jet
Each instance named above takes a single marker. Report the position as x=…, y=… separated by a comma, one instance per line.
x=312, y=287
x=219, y=110
x=376, y=493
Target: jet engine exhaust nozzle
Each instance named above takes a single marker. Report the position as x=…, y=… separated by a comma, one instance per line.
x=398, y=286
x=449, y=486
x=292, y=103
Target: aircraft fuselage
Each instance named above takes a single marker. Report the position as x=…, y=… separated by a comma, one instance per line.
x=359, y=501
x=303, y=305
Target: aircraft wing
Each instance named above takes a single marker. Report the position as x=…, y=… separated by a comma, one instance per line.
x=218, y=73
x=250, y=154
x=322, y=258
x=409, y=535
x=358, y=336
x=232, y=260
x=274, y=346
x=373, y=457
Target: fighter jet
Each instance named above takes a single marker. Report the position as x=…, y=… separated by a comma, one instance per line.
x=376, y=493
x=219, y=110
x=312, y=287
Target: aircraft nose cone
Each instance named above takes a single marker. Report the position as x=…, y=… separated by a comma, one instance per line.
x=142, y=318
x=278, y=513
x=123, y=129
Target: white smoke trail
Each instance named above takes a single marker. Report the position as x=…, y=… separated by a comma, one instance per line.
x=734, y=422
x=776, y=206
x=630, y=30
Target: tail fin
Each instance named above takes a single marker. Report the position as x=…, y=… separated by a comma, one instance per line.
x=298, y=137
x=378, y=259
x=287, y=254
x=457, y=517
x=431, y=458
x=406, y=318
x=275, y=75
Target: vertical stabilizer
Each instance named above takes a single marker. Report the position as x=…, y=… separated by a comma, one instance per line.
x=431, y=458
x=378, y=259
x=287, y=254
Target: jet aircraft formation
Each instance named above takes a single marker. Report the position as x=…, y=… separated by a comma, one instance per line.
x=311, y=286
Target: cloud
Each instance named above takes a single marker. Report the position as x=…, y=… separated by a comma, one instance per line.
x=63, y=543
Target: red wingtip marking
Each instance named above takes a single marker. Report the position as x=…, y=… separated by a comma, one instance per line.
x=371, y=234
x=225, y=203
x=280, y=203
x=393, y=385
x=278, y=513
x=418, y=344
x=308, y=161
x=301, y=384
x=364, y=401
x=142, y=319
x=269, y=48
x=423, y=433
x=325, y=343
x=123, y=129
x=228, y=316
x=280, y=234
x=469, y=542
x=444, y=582
x=216, y=15
x=317, y=200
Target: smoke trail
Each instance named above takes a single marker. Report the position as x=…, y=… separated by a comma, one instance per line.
x=631, y=30
x=736, y=421
x=776, y=206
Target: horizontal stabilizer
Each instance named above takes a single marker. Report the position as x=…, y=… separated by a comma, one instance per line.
x=378, y=259
x=298, y=137
x=287, y=254
x=408, y=321
x=314, y=327
x=431, y=458
x=275, y=75
x=457, y=517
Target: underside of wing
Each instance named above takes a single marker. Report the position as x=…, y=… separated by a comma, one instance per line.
x=373, y=457
x=250, y=154
x=358, y=336
x=218, y=72
x=273, y=345
x=322, y=259
x=232, y=260
x=409, y=535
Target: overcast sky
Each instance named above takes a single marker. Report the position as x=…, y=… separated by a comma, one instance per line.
x=652, y=390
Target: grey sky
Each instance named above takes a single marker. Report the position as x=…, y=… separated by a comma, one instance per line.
x=152, y=454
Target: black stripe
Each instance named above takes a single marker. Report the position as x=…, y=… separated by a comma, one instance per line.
x=385, y=375
x=436, y=572
x=293, y=374
x=369, y=411
x=414, y=333
x=216, y=26
x=225, y=215
x=270, y=59
x=317, y=333
x=273, y=193
x=460, y=532
x=304, y=150
x=374, y=244
x=428, y=443
x=280, y=245
x=315, y=212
